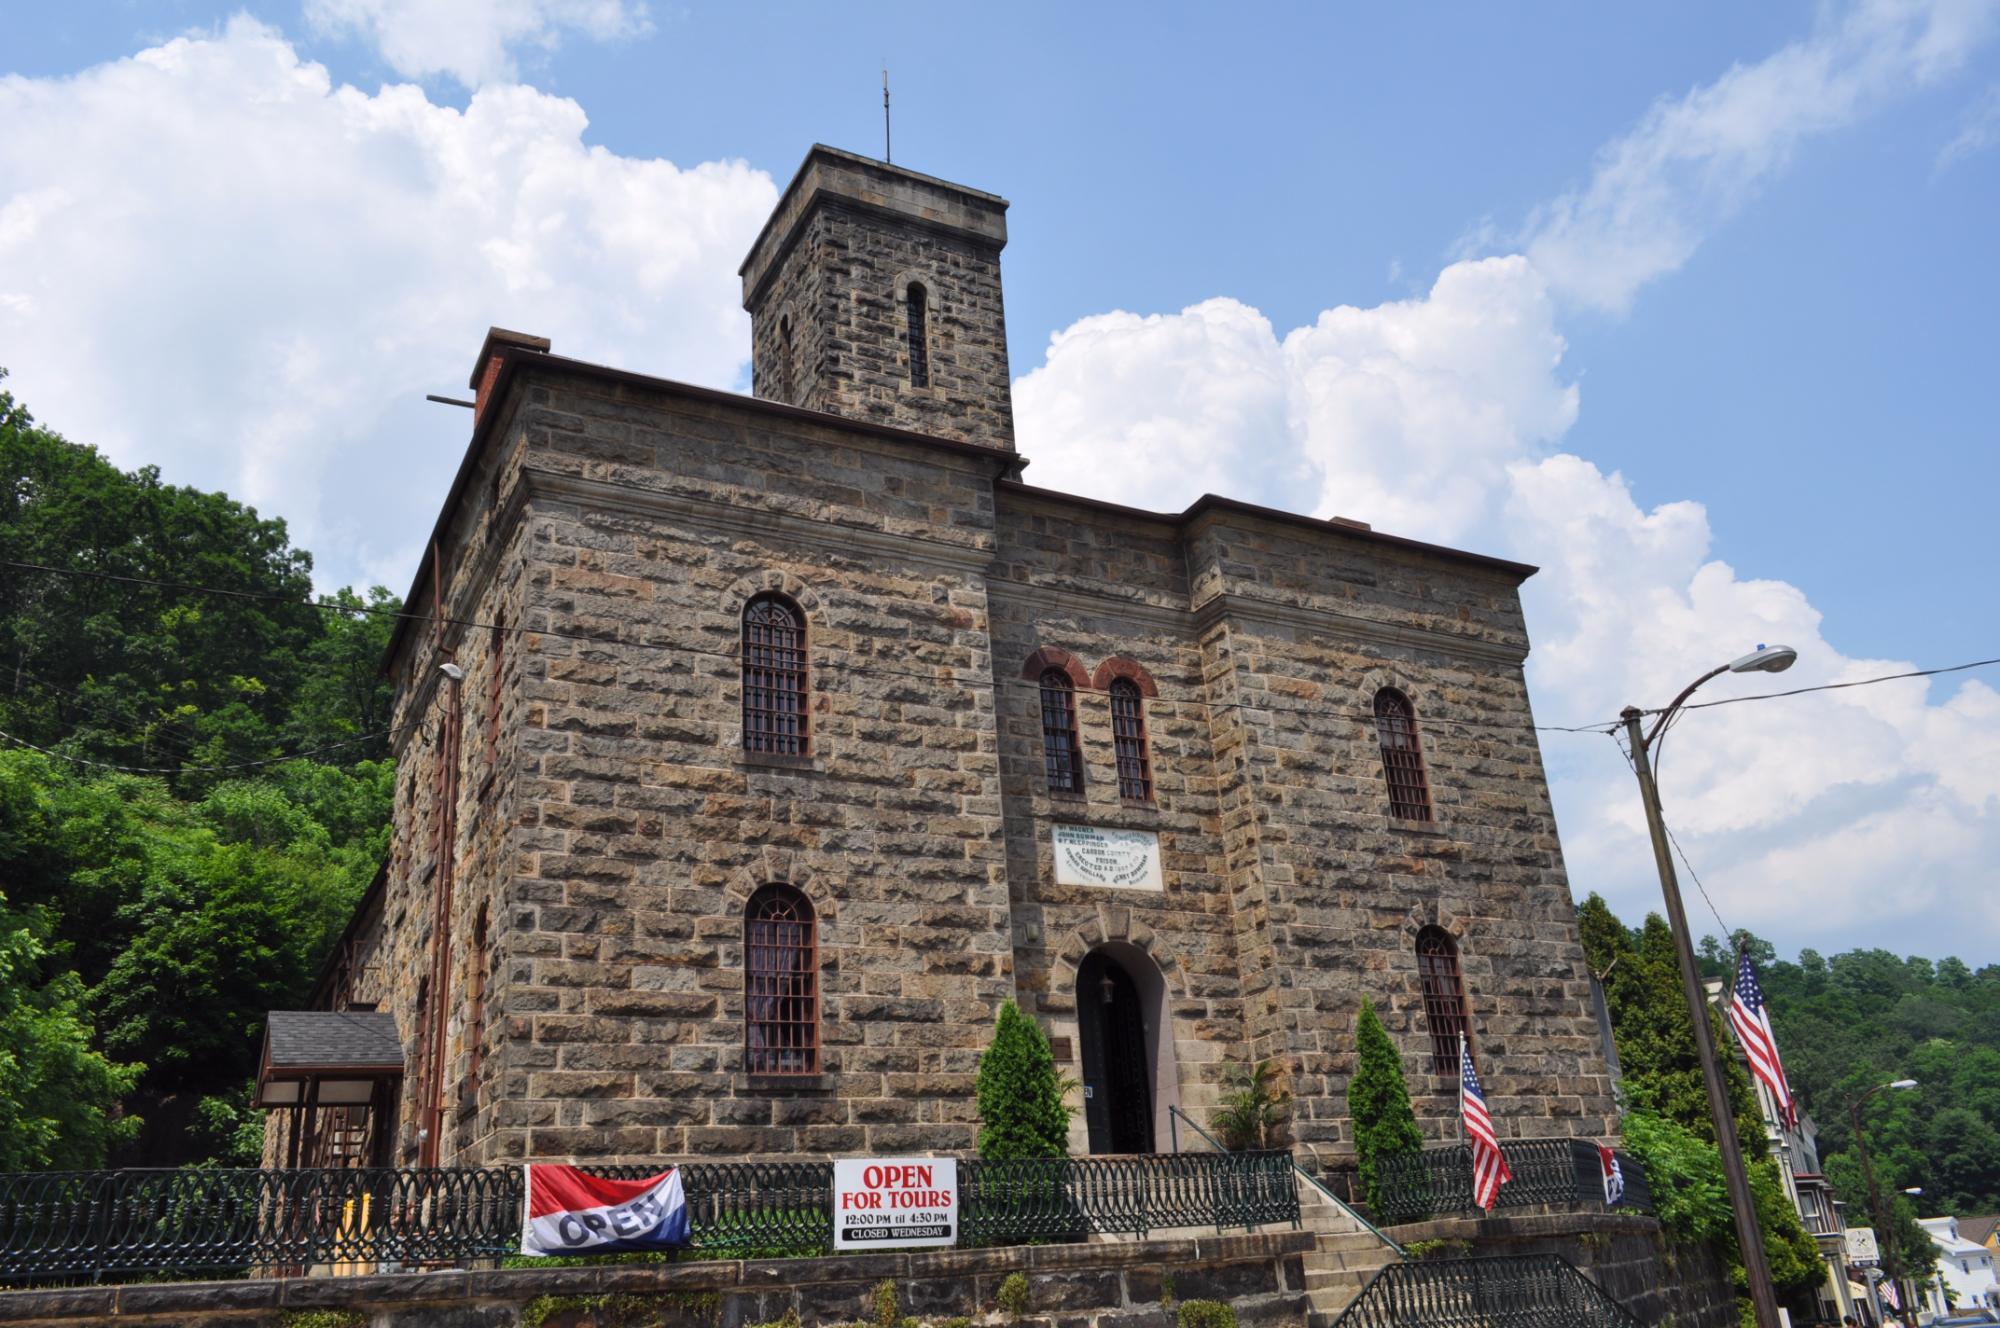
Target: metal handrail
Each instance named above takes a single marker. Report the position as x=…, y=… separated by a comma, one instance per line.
x=1173, y=1112
x=1493, y=1291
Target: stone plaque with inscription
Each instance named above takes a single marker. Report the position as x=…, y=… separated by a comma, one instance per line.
x=1118, y=859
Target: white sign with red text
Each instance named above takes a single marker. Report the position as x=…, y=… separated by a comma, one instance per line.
x=894, y=1203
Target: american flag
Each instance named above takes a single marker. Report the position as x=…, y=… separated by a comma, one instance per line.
x=1489, y=1168
x=1752, y=1022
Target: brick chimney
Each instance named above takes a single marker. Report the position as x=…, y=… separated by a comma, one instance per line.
x=486, y=370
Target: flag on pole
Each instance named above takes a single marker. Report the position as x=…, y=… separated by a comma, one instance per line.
x=1489, y=1168
x=1614, y=1176
x=1751, y=1019
x=570, y=1213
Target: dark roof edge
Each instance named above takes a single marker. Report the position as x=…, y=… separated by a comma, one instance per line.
x=1210, y=502
x=823, y=150
x=512, y=357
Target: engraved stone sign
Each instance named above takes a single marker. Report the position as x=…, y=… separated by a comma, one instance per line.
x=1120, y=859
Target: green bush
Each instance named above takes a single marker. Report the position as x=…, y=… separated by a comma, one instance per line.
x=1205, y=1314
x=1378, y=1100
x=1021, y=1107
x=958, y=1321
x=1252, y=1109
x=883, y=1299
x=1012, y=1298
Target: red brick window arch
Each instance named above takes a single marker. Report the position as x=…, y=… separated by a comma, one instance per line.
x=774, y=678
x=1062, y=758
x=1402, y=756
x=780, y=984
x=916, y=303
x=1444, y=997
x=1128, y=736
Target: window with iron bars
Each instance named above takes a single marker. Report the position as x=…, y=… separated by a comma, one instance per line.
x=1128, y=736
x=920, y=360
x=1062, y=759
x=1402, y=756
x=774, y=678
x=1444, y=998
x=780, y=984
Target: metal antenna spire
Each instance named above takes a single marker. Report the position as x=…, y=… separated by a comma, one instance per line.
x=886, y=156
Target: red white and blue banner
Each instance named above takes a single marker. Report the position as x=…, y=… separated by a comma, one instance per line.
x=570, y=1213
x=1614, y=1176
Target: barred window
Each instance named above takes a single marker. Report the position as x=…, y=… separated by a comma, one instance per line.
x=496, y=675
x=780, y=984
x=475, y=1005
x=1128, y=735
x=1444, y=997
x=1402, y=756
x=774, y=677
x=1061, y=757
x=914, y=301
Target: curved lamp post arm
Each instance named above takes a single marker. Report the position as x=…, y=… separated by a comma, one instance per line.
x=1681, y=700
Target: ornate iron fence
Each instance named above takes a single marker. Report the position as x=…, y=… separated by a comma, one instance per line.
x=234, y=1222
x=1504, y=1291
x=1562, y=1174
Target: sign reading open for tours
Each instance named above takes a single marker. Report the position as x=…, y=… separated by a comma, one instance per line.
x=894, y=1202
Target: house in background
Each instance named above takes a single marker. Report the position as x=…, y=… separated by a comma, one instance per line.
x=1965, y=1277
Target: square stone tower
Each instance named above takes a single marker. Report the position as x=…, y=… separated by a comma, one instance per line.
x=874, y=294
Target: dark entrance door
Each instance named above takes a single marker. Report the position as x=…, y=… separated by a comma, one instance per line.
x=1117, y=1075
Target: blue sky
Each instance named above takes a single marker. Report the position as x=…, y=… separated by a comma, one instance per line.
x=1812, y=365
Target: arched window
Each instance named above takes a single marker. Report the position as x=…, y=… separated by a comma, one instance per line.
x=780, y=984
x=1128, y=736
x=1402, y=757
x=1061, y=758
x=774, y=677
x=914, y=302
x=1444, y=997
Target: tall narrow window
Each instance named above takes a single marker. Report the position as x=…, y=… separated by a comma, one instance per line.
x=1444, y=997
x=1128, y=735
x=785, y=358
x=920, y=361
x=780, y=984
x=1402, y=757
x=475, y=1005
x=774, y=677
x=1061, y=758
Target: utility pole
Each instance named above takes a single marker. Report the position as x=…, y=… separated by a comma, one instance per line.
x=1892, y=1263
x=1756, y=1269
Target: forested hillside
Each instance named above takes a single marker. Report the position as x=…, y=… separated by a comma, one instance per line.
x=168, y=871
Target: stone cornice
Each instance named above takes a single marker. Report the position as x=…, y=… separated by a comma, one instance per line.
x=732, y=519
x=1346, y=626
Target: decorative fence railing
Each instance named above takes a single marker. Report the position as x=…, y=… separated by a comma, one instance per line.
x=1562, y=1174
x=1504, y=1291
x=92, y=1223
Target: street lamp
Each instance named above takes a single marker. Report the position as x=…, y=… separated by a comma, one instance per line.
x=1756, y=1269
x=1892, y=1263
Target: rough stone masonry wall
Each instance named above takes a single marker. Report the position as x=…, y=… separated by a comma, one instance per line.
x=1103, y=589
x=1117, y=1285
x=645, y=827
x=843, y=287
x=1305, y=630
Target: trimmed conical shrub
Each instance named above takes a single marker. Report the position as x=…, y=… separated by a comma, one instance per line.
x=1021, y=1109
x=1378, y=1101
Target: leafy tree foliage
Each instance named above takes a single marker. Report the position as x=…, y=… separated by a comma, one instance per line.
x=1022, y=1112
x=152, y=919
x=1668, y=1125
x=1253, y=1109
x=1378, y=1101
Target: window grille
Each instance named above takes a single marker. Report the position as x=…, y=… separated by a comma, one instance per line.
x=1062, y=760
x=774, y=678
x=780, y=984
x=496, y=670
x=1128, y=735
x=1402, y=756
x=1444, y=997
x=475, y=1005
x=920, y=361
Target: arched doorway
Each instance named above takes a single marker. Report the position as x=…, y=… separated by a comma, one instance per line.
x=1121, y=1029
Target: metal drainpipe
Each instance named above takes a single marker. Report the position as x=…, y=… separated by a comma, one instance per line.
x=432, y=1112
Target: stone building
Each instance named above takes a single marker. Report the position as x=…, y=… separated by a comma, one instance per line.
x=763, y=746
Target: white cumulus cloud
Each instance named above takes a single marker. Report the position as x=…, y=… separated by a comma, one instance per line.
x=472, y=41
x=214, y=259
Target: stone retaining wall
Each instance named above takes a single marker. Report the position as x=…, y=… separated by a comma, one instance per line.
x=1107, y=1285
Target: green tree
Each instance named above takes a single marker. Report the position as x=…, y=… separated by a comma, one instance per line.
x=58, y=1097
x=1378, y=1101
x=1022, y=1112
